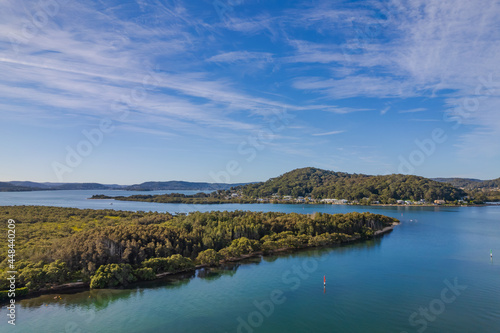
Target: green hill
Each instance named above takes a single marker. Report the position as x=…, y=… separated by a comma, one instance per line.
x=180, y=185
x=460, y=182
x=8, y=187
x=487, y=184
x=321, y=184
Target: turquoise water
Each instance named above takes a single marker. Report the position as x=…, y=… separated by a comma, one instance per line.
x=377, y=286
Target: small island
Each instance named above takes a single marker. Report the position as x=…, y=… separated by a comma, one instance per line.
x=61, y=248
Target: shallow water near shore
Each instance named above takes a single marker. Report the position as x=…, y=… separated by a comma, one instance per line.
x=382, y=285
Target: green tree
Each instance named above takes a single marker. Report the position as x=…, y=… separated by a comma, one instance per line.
x=144, y=274
x=208, y=257
x=56, y=272
x=112, y=275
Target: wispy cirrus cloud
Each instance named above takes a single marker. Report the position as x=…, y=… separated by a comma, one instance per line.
x=262, y=23
x=309, y=52
x=328, y=133
x=240, y=56
x=426, y=120
x=87, y=70
x=410, y=49
x=354, y=86
x=335, y=108
x=413, y=110
x=184, y=71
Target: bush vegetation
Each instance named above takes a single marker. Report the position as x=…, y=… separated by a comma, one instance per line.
x=113, y=248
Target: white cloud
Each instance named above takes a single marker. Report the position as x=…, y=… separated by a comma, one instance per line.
x=413, y=110
x=309, y=52
x=433, y=47
x=240, y=56
x=329, y=133
x=355, y=86
x=253, y=25
x=83, y=60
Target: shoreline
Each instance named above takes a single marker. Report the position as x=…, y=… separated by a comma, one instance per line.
x=79, y=286
x=304, y=203
x=386, y=229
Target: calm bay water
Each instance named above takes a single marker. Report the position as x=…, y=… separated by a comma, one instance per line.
x=433, y=273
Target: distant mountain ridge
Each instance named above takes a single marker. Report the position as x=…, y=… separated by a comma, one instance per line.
x=470, y=183
x=181, y=185
x=300, y=182
x=18, y=186
x=8, y=187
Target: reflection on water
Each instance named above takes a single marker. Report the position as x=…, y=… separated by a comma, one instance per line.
x=320, y=251
x=99, y=299
x=373, y=286
x=213, y=274
x=96, y=299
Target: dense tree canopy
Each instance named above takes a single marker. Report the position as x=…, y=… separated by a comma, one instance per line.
x=217, y=197
x=110, y=248
x=471, y=184
x=329, y=184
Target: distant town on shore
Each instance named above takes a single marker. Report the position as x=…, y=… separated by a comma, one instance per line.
x=312, y=186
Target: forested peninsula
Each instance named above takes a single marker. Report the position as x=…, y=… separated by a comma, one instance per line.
x=108, y=248
x=321, y=184
x=312, y=185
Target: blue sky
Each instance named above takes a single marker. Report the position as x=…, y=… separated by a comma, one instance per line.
x=241, y=90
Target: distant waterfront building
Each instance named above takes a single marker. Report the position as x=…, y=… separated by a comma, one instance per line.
x=335, y=201
x=340, y=201
x=439, y=202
